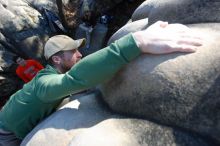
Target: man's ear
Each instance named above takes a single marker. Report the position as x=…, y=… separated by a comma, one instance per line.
x=56, y=59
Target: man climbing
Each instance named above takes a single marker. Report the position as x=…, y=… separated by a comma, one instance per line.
x=67, y=73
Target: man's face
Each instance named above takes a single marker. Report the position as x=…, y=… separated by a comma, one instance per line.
x=69, y=58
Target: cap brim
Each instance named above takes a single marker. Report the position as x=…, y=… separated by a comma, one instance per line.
x=82, y=43
x=76, y=45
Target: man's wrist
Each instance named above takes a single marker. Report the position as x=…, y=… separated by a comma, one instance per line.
x=128, y=47
x=138, y=37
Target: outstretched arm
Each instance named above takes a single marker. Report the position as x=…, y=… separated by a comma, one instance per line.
x=160, y=38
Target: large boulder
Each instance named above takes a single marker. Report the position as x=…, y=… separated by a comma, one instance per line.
x=178, y=11
x=176, y=89
x=23, y=25
x=87, y=122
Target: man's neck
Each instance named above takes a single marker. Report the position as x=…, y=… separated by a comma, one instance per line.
x=59, y=69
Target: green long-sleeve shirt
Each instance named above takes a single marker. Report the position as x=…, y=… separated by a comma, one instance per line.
x=39, y=98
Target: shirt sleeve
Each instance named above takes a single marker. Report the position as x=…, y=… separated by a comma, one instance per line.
x=90, y=71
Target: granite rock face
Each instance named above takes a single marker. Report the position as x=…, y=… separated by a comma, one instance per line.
x=87, y=122
x=23, y=31
x=23, y=25
x=177, y=89
x=179, y=11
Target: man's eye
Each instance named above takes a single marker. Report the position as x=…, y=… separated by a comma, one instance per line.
x=74, y=50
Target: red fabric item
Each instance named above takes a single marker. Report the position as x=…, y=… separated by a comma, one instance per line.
x=27, y=72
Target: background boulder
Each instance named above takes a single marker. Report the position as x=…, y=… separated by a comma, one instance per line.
x=23, y=25
x=178, y=11
x=23, y=31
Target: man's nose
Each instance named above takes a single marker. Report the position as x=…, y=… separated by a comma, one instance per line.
x=79, y=54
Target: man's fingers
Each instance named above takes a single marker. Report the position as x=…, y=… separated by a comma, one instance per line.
x=163, y=24
x=158, y=24
x=177, y=28
x=187, y=41
x=185, y=48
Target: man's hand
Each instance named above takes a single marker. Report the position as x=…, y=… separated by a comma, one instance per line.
x=163, y=38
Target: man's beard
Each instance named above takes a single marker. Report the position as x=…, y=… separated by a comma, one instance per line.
x=65, y=68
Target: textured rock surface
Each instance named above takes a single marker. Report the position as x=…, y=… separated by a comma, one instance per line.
x=61, y=126
x=176, y=89
x=181, y=11
x=24, y=26
x=23, y=32
x=86, y=122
